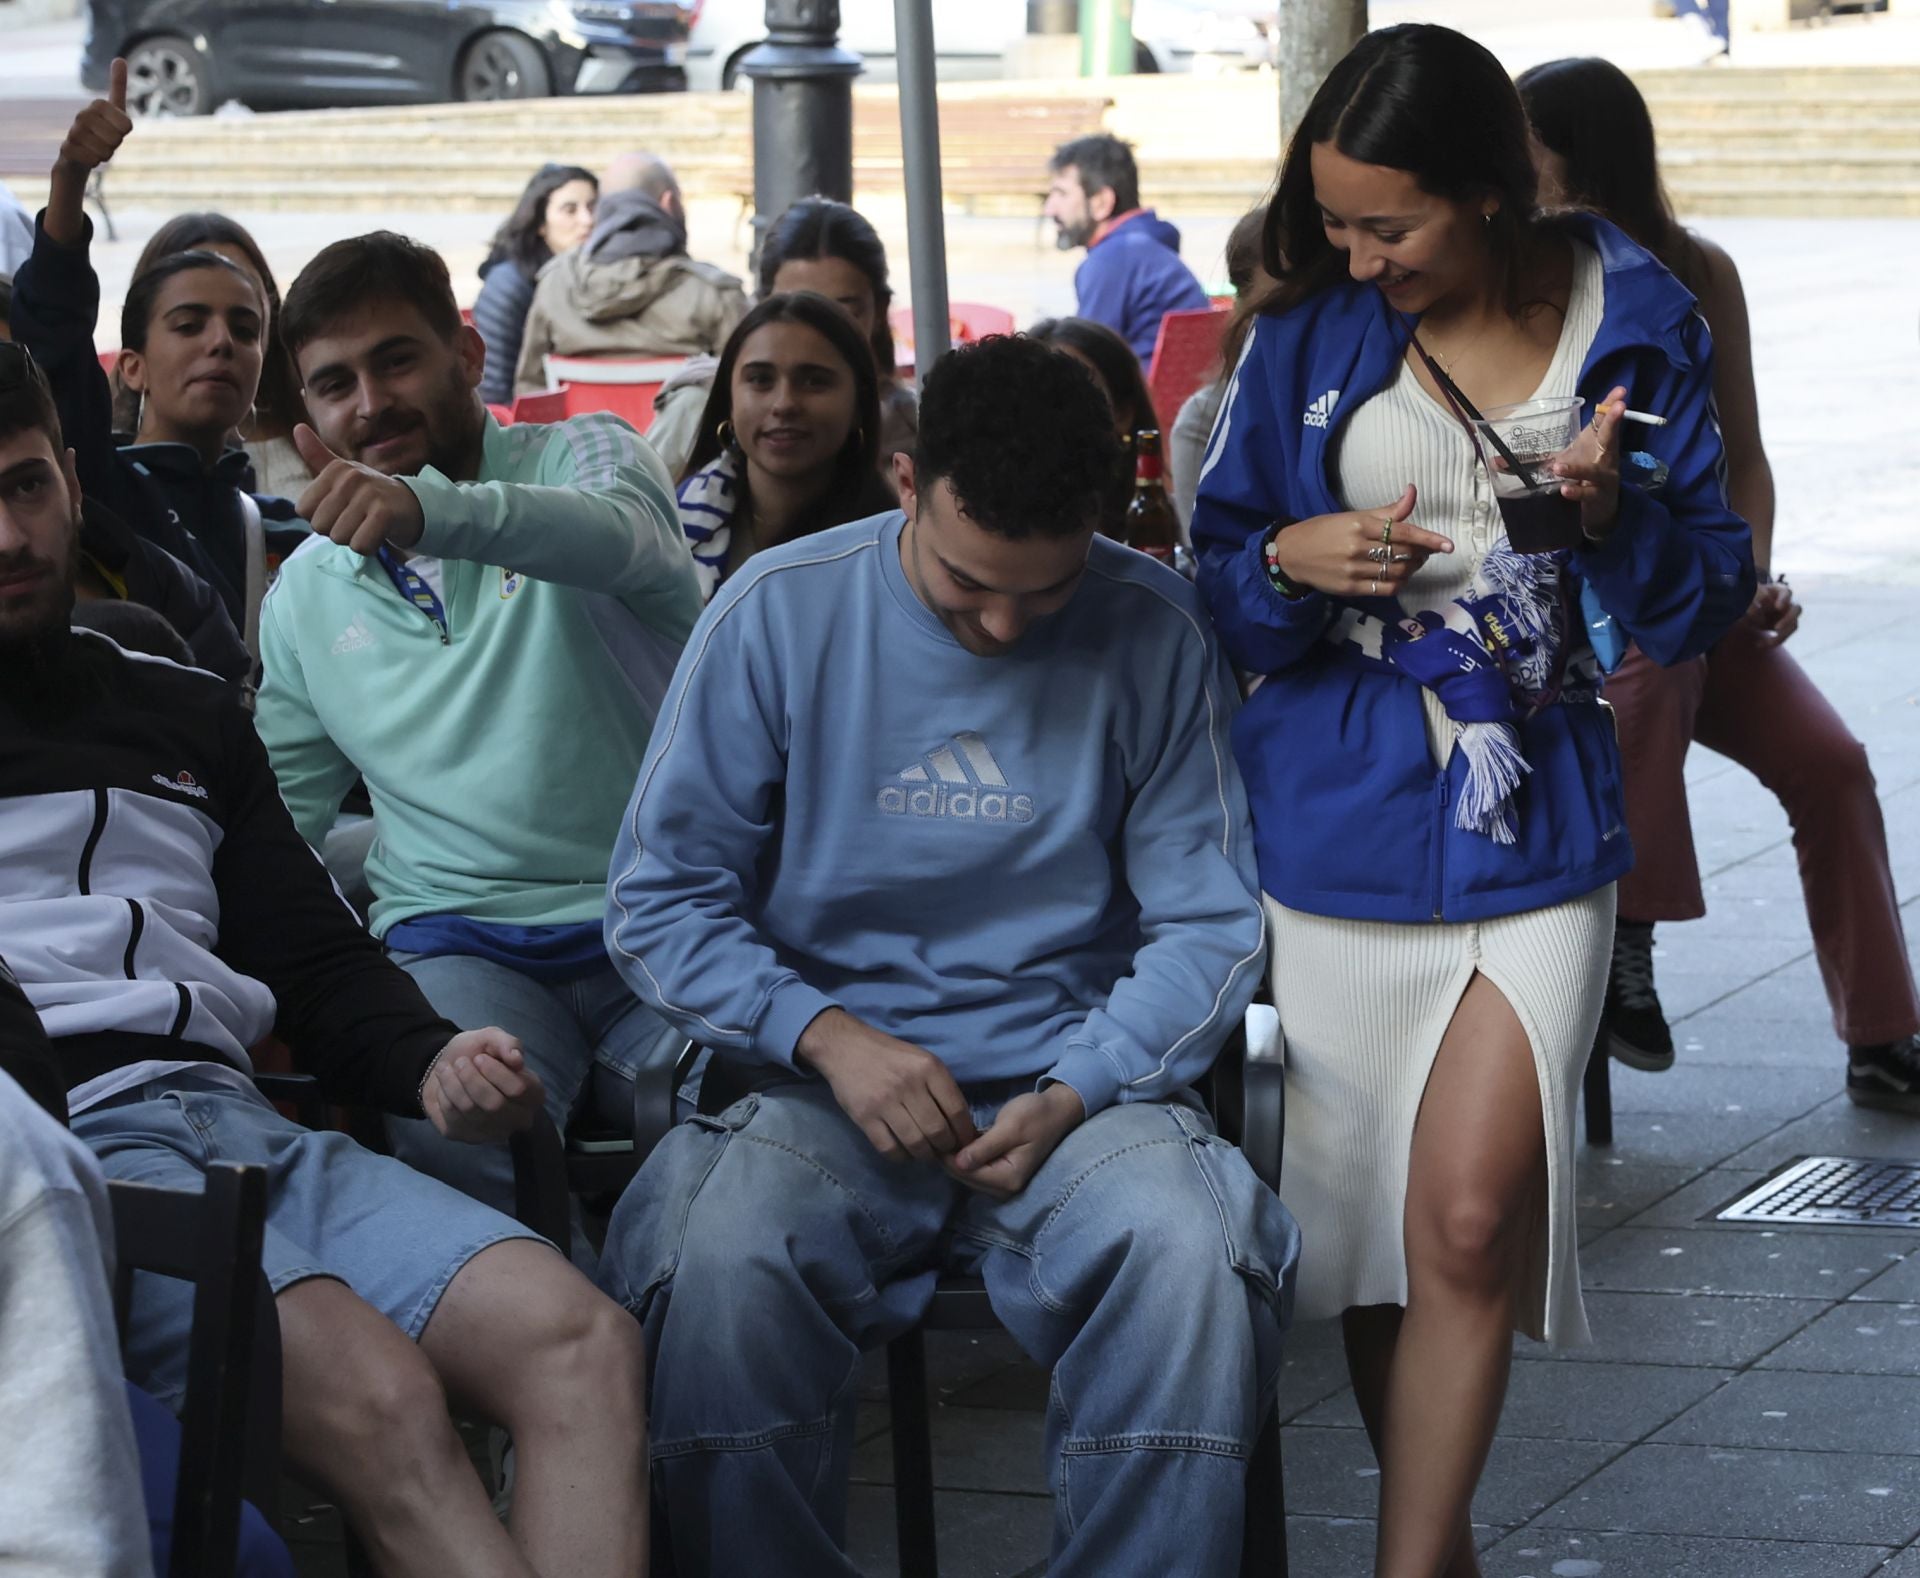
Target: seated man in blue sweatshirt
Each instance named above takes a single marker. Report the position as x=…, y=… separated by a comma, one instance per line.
x=1132, y=276
x=939, y=840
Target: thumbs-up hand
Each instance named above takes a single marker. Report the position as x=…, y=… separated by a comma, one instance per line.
x=355, y=505
x=100, y=128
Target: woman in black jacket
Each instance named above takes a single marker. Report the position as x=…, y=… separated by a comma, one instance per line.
x=554, y=215
x=193, y=341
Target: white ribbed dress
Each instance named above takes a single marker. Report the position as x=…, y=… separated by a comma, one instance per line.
x=1364, y=1004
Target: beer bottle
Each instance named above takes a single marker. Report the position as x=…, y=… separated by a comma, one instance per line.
x=1151, y=525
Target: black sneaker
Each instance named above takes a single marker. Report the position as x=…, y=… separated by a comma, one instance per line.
x=1887, y=1076
x=1636, y=1029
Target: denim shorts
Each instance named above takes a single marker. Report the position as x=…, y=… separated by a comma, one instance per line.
x=334, y=1209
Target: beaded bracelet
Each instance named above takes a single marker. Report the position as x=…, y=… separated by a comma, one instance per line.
x=1276, y=577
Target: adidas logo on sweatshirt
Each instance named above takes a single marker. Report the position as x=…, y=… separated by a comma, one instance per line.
x=958, y=781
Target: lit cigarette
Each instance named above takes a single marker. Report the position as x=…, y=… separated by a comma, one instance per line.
x=1646, y=417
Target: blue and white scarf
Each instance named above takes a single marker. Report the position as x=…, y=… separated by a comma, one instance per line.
x=709, y=499
x=1494, y=658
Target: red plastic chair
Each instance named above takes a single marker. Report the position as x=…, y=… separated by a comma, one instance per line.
x=967, y=321
x=1185, y=355
x=503, y=414
x=109, y=360
x=625, y=386
x=550, y=405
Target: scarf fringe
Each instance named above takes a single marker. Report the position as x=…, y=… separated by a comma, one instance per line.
x=1494, y=770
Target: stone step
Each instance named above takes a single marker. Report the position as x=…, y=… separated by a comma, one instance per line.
x=1816, y=141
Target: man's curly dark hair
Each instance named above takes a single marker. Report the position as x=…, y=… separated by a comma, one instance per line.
x=1022, y=434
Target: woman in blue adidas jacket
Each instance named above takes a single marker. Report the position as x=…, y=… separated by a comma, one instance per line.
x=1435, y=784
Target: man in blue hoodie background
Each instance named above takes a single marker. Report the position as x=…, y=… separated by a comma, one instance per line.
x=939, y=842
x=1133, y=276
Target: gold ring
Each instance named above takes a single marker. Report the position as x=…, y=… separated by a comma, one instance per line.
x=1386, y=531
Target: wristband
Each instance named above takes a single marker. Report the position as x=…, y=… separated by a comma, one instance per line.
x=1270, y=557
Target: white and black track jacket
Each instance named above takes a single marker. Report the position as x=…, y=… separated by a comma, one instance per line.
x=156, y=902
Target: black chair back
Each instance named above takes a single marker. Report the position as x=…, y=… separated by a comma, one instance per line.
x=230, y=1427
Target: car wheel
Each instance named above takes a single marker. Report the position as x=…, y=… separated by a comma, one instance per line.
x=167, y=77
x=503, y=65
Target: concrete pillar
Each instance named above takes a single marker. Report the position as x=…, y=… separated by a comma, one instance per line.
x=1314, y=35
x=1051, y=45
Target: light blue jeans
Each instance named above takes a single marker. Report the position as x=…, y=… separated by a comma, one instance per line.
x=334, y=1209
x=765, y=1249
x=564, y=1027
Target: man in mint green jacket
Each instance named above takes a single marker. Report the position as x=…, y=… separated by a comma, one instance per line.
x=481, y=629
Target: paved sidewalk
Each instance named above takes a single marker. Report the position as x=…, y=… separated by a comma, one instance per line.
x=1751, y=1405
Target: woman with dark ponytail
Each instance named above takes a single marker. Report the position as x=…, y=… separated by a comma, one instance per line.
x=267, y=432
x=193, y=340
x=1747, y=698
x=1434, y=782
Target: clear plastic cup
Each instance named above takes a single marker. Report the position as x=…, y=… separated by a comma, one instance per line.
x=1539, y=519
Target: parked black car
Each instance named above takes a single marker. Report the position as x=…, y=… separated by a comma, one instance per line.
x=187, y=57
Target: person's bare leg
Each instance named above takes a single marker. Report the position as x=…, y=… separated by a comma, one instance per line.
x=1370, y=1333
x=1477, y=1166
x=523, y=1339
x=365, y=1419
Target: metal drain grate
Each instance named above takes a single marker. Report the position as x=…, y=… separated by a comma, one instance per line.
x=1850, y=1191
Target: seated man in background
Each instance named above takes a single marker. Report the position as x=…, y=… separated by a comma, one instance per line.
x=480, y=628
x=631, y=290
x=162, y=915
x=1132, y=276
x=974, y=934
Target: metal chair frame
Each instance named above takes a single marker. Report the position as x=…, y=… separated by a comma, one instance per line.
x=230, y=1426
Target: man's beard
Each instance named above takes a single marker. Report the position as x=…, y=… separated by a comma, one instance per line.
x=1069, y=238
x=37, y=671
x=452, y=435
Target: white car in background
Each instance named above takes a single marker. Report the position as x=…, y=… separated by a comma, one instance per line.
x=971, y=37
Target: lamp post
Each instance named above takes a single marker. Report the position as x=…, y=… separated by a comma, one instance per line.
x=802, y=110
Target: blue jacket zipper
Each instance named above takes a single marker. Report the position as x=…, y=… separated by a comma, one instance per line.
x=1442, y=794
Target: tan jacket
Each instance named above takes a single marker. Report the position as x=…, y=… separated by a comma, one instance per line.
x=640, y=306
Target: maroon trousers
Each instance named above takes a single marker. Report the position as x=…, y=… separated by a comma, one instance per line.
x=1749, y=700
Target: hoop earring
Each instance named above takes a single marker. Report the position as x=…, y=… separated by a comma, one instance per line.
x=724, y=432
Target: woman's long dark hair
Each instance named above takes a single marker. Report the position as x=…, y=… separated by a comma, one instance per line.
x=519, y=238
x=1418, y=98
x=1118, y=367
x=1243, y=271
x=1591, y=115
x=855, y=488
x=820, y=227
x=277, y=404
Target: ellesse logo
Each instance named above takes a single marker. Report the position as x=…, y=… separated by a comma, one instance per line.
x=182, y=782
